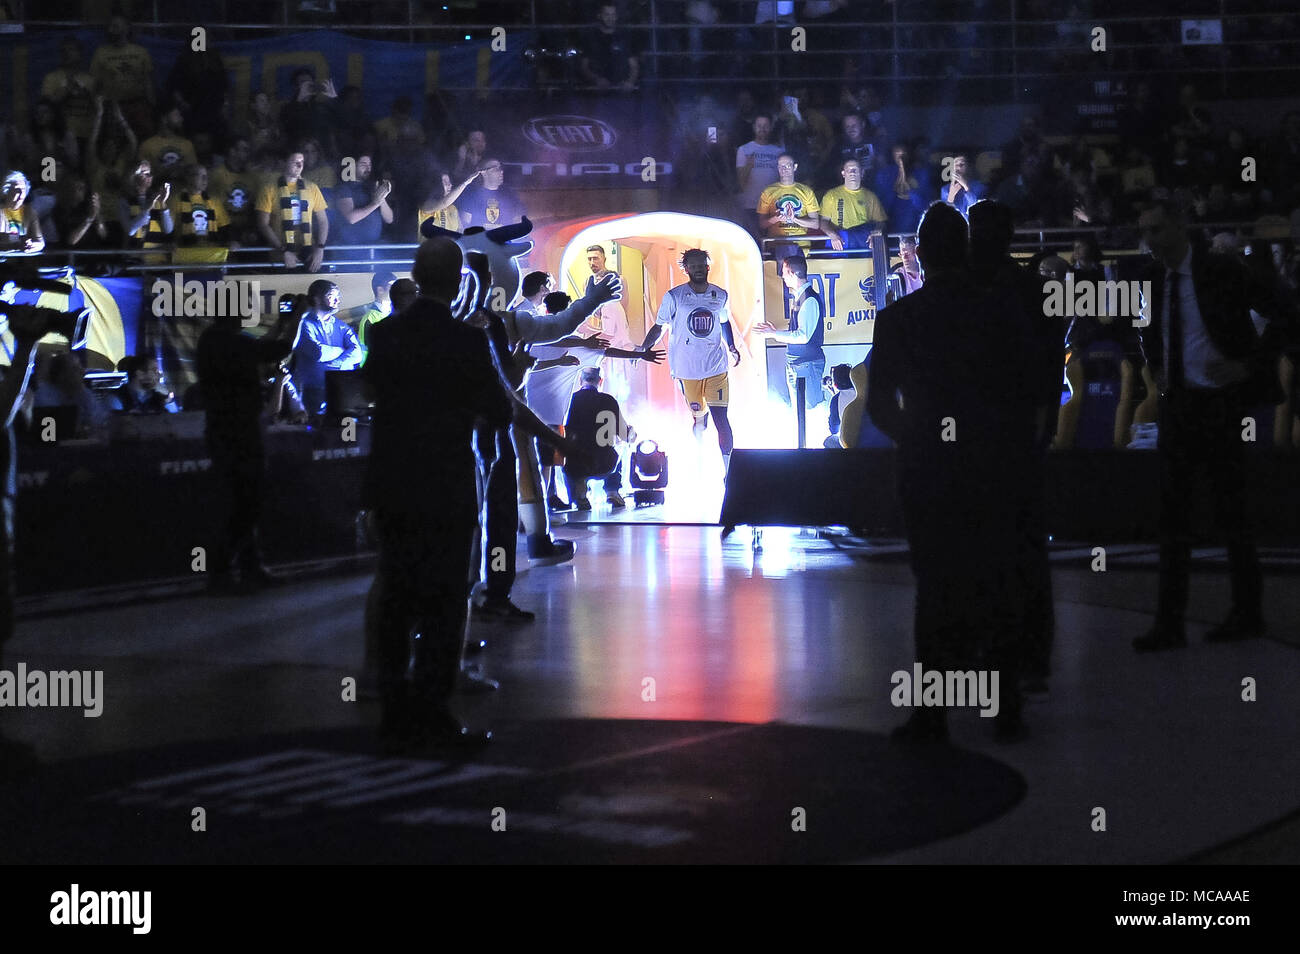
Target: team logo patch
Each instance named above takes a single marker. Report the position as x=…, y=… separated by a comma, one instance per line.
x=789, y=205
x=171, y=157
x=237, y=200
x=700, y=322
x=200, y=221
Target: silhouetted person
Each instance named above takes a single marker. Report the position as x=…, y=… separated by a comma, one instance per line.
x=594, y=422
x=230, y=366
x=1211, y=367
x=991, y=231
x=431, y=377
x=14, y=756
x=954, y=355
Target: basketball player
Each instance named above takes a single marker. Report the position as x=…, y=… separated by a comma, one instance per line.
x=698, y=322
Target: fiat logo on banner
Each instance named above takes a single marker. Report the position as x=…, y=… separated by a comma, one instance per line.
x=570, y=133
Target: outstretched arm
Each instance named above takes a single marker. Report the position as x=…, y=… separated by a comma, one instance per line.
x=652, y=336
x=543, y=329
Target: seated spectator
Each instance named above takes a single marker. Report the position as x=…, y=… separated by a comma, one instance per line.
x=842, y=392
x=146, y=215
x=595, y=423
x=442, y=209
x=787, y=208
x=362, y=206
x=362, y=317
x=490, y=202
x=144, y=391
x=200, y=219
x=963, y=191
x=169, y=151
x=20, y=229
x=235, y=185
x=78, y=215
x=301, y=227
x=850, y=213
x=324, y=344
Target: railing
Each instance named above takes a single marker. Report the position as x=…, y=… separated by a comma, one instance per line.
x=1005, y=54
x=364, y=258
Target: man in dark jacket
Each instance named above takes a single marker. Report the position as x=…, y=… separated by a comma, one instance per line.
x=954, y=353
x=1212, y=367
x=230, y=365
x=431, y=377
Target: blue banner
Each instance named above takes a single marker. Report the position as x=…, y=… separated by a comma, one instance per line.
x=381, y=68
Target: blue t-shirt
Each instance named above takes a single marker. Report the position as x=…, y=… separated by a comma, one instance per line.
x=489, y=208
x=367, y=231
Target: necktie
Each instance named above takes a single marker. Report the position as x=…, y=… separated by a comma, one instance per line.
x=1173, y=292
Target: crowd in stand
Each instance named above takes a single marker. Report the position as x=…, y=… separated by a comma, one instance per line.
x=1173, y=148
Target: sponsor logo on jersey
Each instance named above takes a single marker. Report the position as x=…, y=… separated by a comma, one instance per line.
x=700, y=322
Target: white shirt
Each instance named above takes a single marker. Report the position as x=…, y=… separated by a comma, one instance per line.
x=1204, y=366
x=694, y=320
x=762, y=175
x=548, y=392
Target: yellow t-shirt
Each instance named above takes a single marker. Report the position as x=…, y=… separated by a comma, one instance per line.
x=800, y=200
x=13, y=224
x=448, y=218
x=268, y=200
x=388, y=130
x=846, y=209
x=124, y=72
x=237, y=191
x=75, y=94
x=168, y=154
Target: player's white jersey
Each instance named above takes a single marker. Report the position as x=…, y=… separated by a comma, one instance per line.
x=694, y=320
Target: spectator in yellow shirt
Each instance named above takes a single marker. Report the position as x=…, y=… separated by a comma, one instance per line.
x=850, y=212
x=443, y=210
x=169, y=152
x=787, y=209
x=291, y=216
x=124, y=72
x=72, y=89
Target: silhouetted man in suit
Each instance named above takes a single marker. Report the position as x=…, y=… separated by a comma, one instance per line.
x=991, y=230
x=955, y=355
x=230, y=373
x=1211, y=367
x=431, y=377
